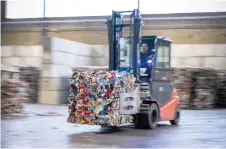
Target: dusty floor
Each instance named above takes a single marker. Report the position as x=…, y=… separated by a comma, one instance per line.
x=204, y=128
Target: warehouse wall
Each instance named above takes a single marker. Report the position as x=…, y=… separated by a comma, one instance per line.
x=21, y=38
x=21, y=55
x=179, y=36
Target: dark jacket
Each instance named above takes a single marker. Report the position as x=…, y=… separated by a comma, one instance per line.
x=144, y=58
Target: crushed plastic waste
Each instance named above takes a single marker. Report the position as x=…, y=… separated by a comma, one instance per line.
x=94, y=97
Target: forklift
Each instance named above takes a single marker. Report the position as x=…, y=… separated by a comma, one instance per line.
x=157, y=99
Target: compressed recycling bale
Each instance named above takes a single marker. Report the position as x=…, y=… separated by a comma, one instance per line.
x=204, y=99
x=196, y=87
x=206, y=78
x=94, y=97
x=31, y=75
x=221, y=89
x=13, y=94
x=182, y=82
x=204, y=86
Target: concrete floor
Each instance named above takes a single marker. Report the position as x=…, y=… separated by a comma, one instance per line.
x=204, y=128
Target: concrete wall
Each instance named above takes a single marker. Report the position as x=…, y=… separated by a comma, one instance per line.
x=21, y=55
x=60, y=56
x=199, y=55
x=100, y=55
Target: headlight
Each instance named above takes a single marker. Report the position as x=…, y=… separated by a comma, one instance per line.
x=149, y=61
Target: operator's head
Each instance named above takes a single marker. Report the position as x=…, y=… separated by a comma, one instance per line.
x=144, y=47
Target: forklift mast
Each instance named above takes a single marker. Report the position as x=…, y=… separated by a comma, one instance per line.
x=128, y=59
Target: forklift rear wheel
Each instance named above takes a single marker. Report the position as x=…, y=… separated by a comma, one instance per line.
x=177, y=116
x=153, y=116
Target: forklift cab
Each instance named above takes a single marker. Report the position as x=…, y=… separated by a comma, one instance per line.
x=157, y=60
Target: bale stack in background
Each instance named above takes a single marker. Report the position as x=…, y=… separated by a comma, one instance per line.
x=182, y=81
x=200, y=88
x=203, y=95
x=221, y=89
x=31, y=75
x=13, y=94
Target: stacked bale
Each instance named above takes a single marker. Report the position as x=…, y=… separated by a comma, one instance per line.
x=13, y=94
x=200, y=88
x=204, y=84
x=31, y=75
x=221, y=89
x=182, y=82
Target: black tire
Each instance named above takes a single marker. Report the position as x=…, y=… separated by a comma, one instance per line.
x=176, y=119
x=147, y=120
x=138, y=121
x=153, y=116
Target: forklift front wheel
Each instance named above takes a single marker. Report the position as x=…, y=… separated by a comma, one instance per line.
x=149, y=119
x=153, y=116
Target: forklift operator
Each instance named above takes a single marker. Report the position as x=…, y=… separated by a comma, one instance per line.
x=145, y=55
